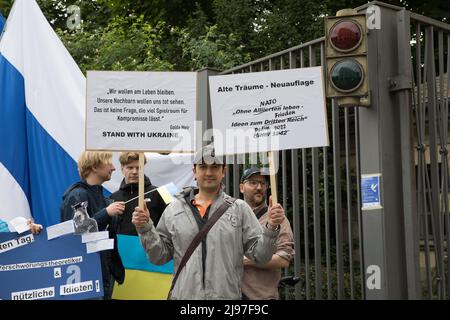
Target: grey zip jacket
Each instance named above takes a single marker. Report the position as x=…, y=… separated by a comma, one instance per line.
x=235, y=234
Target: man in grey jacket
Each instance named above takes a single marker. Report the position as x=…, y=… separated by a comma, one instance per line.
x=214, y=270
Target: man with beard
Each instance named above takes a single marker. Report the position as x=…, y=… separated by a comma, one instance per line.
x=261, y=281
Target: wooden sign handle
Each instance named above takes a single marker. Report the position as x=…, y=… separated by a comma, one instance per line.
x=141, y=180
x=273, y=179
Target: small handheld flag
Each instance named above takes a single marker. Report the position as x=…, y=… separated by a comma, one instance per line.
x=167, y=192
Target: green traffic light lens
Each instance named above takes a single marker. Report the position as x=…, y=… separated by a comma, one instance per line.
x=347, y=75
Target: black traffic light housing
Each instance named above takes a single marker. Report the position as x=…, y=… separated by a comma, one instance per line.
x=346, y=58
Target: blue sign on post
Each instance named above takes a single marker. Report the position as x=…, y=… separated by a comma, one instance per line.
x=32, y=267
x=370, y=191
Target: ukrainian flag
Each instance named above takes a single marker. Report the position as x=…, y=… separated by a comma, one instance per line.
x=143, y=280
x=168, y=192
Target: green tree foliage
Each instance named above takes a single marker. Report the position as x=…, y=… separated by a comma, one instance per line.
x=436, y=9
x=203, y=45
x=126, y=43
x=173, y=12
x=238, y=17
x=286, y=23
x=192, y=34
x=5, y=7
x=211, y=49
x=93, y=15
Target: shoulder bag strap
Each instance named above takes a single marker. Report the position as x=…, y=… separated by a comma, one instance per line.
x=199, y=237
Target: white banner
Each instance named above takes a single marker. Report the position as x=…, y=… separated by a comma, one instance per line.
x=268, y=111
x=141, y=111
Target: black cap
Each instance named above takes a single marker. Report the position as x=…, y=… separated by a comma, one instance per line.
x=207, y=155
x=251, y=171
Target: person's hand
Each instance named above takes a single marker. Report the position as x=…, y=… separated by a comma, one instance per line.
x=247, y=262
x=115, y=208
x=276, y=215
x=140, y=216
x=34, y=227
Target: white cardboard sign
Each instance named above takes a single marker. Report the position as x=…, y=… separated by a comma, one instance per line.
x=268, y=111
x=141, y=111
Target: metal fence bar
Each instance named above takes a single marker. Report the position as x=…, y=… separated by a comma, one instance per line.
x=316, y=204
x=305, y=208
x=327, y=220
x=434, y=171
x=326, y=203
x=409, y=181
x=296, y=222
x=296, y=218
x=349, y=198
x=285, y=201
x=317, y=233
x=419, y=111
x=337, y=201
x=296, y=205
x=306, y=224
x=358, y=202
x=284, y=180
x=441, y=140
x=276, y=55
x=326, y=191
x=429, y=21
x=445, y=191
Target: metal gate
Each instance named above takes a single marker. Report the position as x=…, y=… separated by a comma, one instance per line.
x=430, y=44
x=335, y=241
x=319, y=191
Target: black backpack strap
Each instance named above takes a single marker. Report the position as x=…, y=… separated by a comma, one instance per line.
x=199, y=237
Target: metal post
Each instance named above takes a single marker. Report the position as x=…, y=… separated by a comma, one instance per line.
x=383, y=227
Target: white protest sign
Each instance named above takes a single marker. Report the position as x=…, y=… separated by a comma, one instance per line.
x=268, y=111
x=141, y=111
x=20, y=224
x=100, y=245
x=60, y=229
x=94, y=236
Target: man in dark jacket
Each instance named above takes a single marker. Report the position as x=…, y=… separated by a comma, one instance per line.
x=94, y=169
x=129, y=189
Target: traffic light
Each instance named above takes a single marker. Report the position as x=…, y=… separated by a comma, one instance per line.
x=346, y=58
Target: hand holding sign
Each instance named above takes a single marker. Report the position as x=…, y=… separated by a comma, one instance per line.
x=276, y=215
x=34, y=227
x=140, y=216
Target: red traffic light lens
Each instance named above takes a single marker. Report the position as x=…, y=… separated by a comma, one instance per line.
x=345, y=35
x=347, y=75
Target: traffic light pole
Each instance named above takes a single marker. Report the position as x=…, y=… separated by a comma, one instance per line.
x=385, y=145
